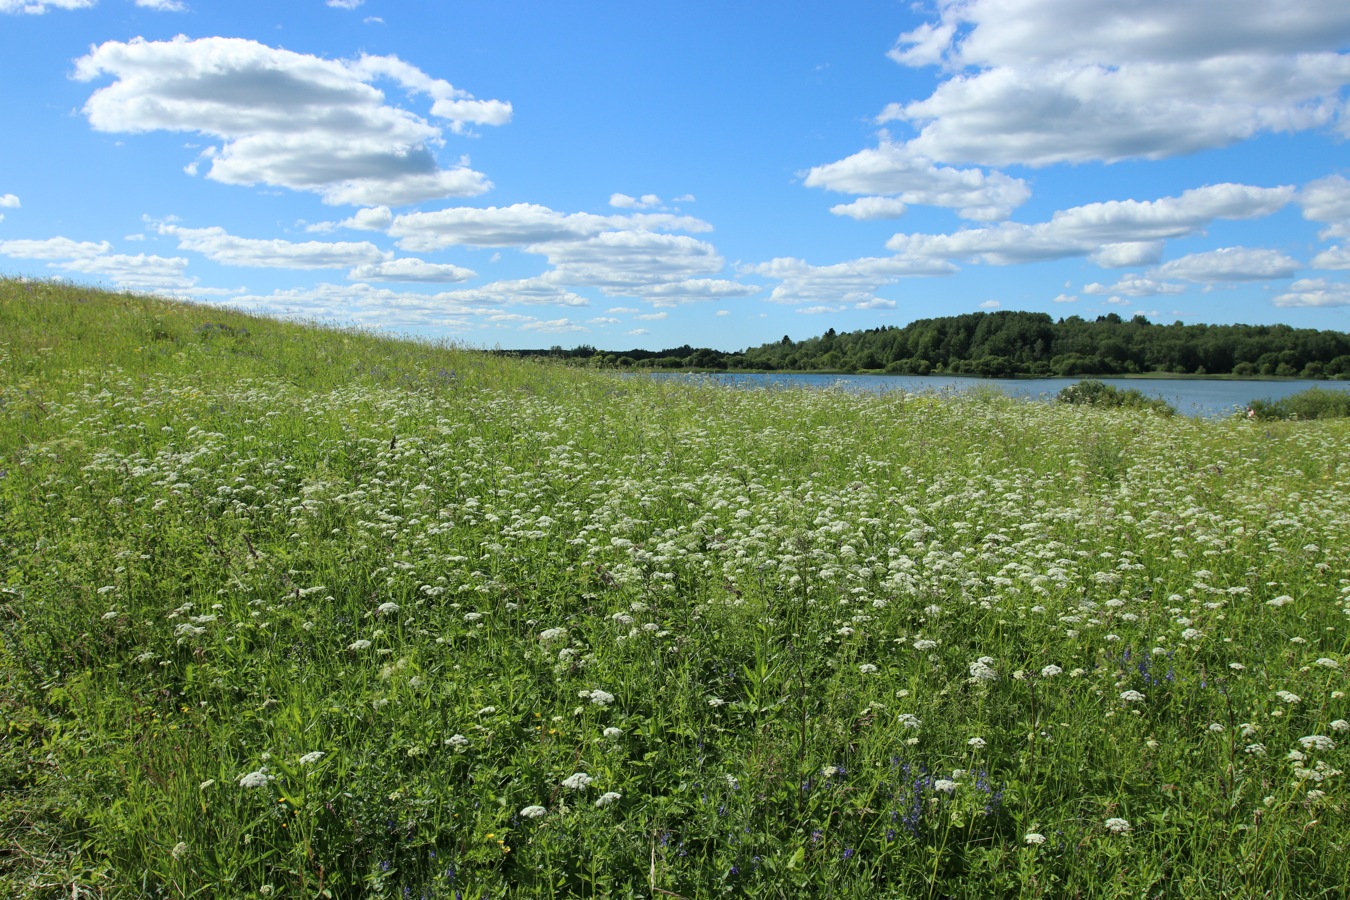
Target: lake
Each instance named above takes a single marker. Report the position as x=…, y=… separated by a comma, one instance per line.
x=1191, y=396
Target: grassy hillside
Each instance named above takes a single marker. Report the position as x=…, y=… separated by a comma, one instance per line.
x=296, y=612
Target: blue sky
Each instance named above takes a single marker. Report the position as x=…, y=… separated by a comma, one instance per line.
x=721, y=174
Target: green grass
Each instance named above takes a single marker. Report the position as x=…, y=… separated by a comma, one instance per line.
x=819, y=644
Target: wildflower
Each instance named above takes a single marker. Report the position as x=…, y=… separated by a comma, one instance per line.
x=715, y=702
x=179, y=850
x=1236, y=667
x=601, y=698
x=1255, y=749
x=386, y=608
x=909, y=720
x=982, y=671
x=613, y=733
x=1340, y=725
x=533, y=812
x=1118, y=826
x=1132, y=697
x=1287, y=697
x=1215, y=727
x=311, y=758
x=1191, y=634
x=552, y=634
x=1280, y=600
x=867, y=668
x=978, y=743
x=458, y=741
x=945, y=785
x=607, y=798
x=254, y=779
x=578, y=781
x=362, y=644
x=1050, y=672
x=206, y=784
x=1033, y=839
x=1317, y=742
x=487, y=710
x=1327, y=663
x=923, y=644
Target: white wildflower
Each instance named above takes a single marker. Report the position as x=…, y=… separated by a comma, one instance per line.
x=1050, y=672
x=385, y=609
x=1317, y=742
x=1118, y=826
x=362, y=644
x=978, y=743
x=1132, y=697
x=945, y=785
x=578, y=781
x=533, y=812
x=1287, y=697
x=1033, y=839
x=613, y=733
x=607, y=798
x=312, y=757
x=867, y=668
x=255, y=779
x=552, y=634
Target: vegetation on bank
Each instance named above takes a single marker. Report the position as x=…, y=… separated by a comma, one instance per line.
x=292, y=612
x=1008, y=344
x=1314, y=403
x=1095, y=393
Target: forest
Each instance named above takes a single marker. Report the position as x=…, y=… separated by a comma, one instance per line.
x=1007, y=344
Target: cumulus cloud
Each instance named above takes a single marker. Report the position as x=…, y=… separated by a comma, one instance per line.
x=9, y=200
x=520, y=224
x=1328, y=200
x=1229, y=264
x=1132, y=286
x=1332, y=258
x=1315, y=292
x=905, y=177
x=1037, y=82
x=623, y=201
x=162, y=5
x=537, y=291
x=1114, y=233
x=854, y=281
x=619, y=262
x=410, y=270
x=140, y=272
x=38, y=7
x=290, y=119
x=231, y=250
x=868, y=208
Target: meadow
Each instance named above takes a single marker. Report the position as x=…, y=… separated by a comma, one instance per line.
x=289, y=611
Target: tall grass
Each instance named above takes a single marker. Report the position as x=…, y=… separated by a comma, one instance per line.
x=298, y=612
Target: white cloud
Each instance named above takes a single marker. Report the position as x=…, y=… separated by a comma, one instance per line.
x=652, y=317
x=38, y=7
x=629, y=262
x=1114, y=233
x=141, y=272
x=520, y=224
x=1046, y=81
x=230, y=250
x=868, y=208
x=907, y=177
x=1332, y=258
x=1328, y=200
x=693, y=290
x=1065, y=298
x=623, y=201
x=162, y=5
x=1134, y=286
x=722, y=312
x=1229, y=264
x=533, y=291
x=9, y=201
x=345, y=4
x=603, y=320
x=410, y=270
x=990, y=304
x=875, y=303
x=854, y=281
x=638, y=332
x=290, y=119
x=1315, y=292
x=53, y=248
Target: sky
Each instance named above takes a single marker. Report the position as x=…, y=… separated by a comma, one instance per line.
x=631, y=175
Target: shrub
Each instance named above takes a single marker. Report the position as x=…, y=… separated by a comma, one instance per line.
x=1314, y=403
x=1090, y=392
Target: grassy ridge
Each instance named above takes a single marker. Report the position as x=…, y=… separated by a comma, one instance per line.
x=289, y=611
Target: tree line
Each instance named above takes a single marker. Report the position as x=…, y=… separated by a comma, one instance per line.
x=1006, y=344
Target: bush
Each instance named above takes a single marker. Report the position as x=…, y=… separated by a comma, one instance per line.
x=1314, y=403
x=1095, y=393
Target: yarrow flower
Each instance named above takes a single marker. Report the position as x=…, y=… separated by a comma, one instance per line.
x=1288, y=697
x=613, y=733
x=1033, y=839
x=1317, y=742
x=978, y=743
x=552, y=634
x=867, y=668
x=458, y=741
x=533, y=812
x=1132, y=697
x=362, y=644
x=1050, y=672
x=1118, y=826
x=607, y=798
x=946, y=785
x=577, y=782
x=255, y=779
x=311, y=758
x=909, y=720
x=386, y=608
